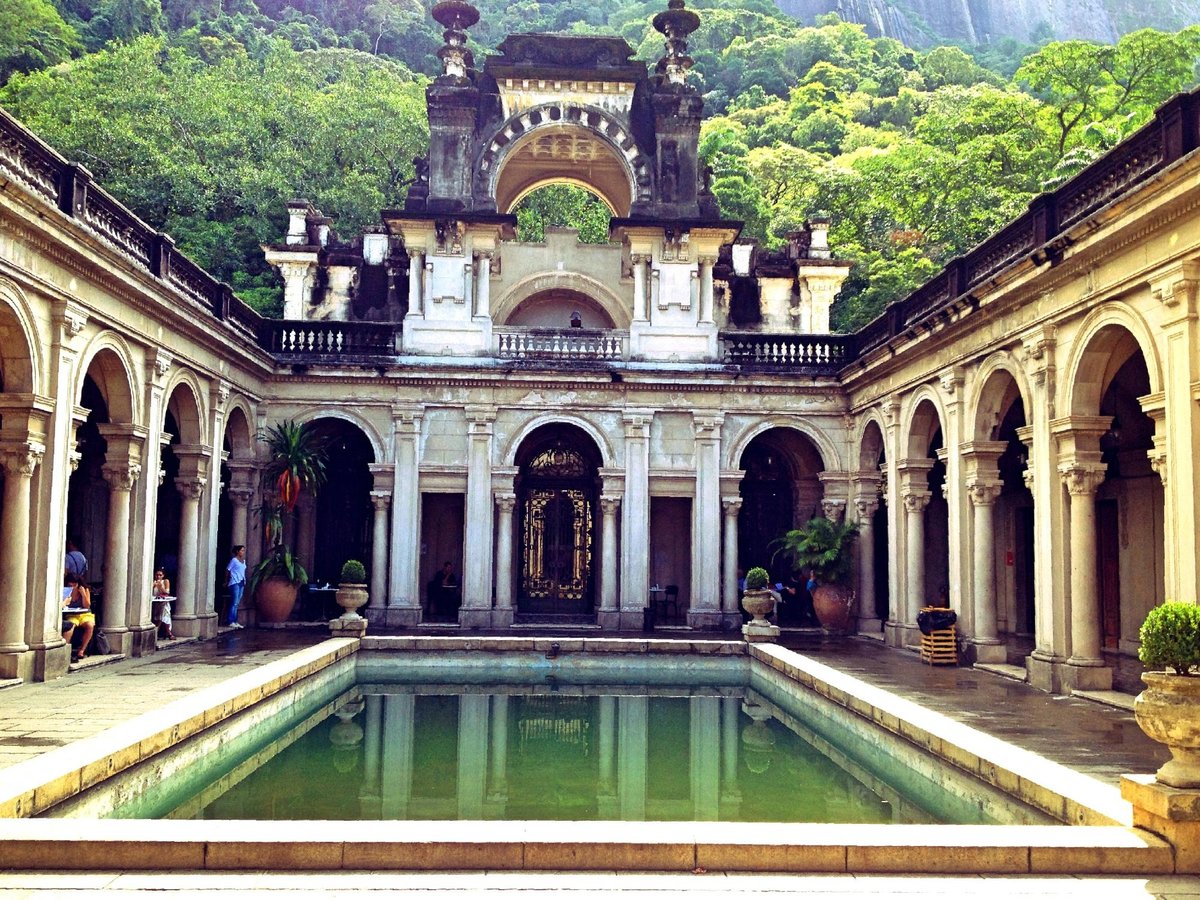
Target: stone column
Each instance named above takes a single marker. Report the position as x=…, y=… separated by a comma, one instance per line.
x=185, y=621
x=706, y=290
x=606, y=800
x=416, y=272
x=380, y=501
x=915, y=503
x=404, y=608
x=369, y=793
x=609, y=505
x=639, y=287
x=240, y=498
x=1085, y=668
x=729, y=559
x=635, y=520
x=18, y=462
x=476, y=609
x=397, y=760
x=121, y=476
x=502, y=616
x=704, y=771
x=984, y=494
x=704, y=610
x=865, y=508
x=483, y=285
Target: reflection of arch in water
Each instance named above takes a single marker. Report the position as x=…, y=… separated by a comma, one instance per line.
x=557, y=491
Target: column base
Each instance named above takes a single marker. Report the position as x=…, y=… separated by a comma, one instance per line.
x=471, y=617
x=1086, y=675
x=1171, y=813
x=758, y=634
x=51, y=662
x=989, y=651
x=705, y=619
x=400, y=617
x=502, y=618
x=120, y=640
x=902, y=636
x=609, y=619
x=145, y=639
x=872, y=627
x=19, y=664
x=1045, y=672
x=630, y=619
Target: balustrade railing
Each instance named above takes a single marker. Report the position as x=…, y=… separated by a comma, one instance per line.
x=561, y=344
x=286, y=337
x=823, y=352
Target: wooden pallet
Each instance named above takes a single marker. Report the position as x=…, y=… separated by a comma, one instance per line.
x=940, y=648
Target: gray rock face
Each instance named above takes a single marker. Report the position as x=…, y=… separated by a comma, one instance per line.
x=922, y=23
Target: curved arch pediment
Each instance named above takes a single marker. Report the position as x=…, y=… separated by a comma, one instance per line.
x=564, y=142
x=617, y=310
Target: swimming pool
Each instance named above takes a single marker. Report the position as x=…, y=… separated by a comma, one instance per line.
x=174, y=739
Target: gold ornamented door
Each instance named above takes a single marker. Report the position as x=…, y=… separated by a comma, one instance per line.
x=557, y=534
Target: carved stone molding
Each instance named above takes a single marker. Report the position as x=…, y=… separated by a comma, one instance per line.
x=866, y=507
x=731, y=505
x=240, y=496
x=984, y=492
x=1080, y=479
x=20, y=461
x=609, y=504
x=917, y=501
x=381, y=500
x=121, y=476
x=833, y=509
x=191, y=488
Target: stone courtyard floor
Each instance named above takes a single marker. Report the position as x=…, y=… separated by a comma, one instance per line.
x=1098, y=740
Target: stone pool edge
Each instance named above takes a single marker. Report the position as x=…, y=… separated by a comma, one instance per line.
x=29, y=788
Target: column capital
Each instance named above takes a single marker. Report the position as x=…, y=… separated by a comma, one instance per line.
x=241, y=496
x=637, y=423
x=866, y=507
x=506, y=501
x=121, y=475
x=1082, y=479
x=609, y=504
x=708, y=425
x=984, y=491
x=72, y=318
x=405, y=417
x=21, y=459
x=480, y=420
x=731, y=505
x=381, y=500
x=833, y=509
x=951, y=380
x=915, y=501
x=158, y=363
x=191, y=488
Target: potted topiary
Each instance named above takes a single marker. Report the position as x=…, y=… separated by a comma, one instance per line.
x=352, y=588
x=759, y=600
x=1168, y=710
x=822, y=548
x=296, y=462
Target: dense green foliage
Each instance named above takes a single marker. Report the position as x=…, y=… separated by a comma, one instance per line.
x=1170, y=637
x=205, y=116
x=821, y=546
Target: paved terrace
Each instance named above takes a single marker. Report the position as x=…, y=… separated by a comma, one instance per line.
x=1098, y=740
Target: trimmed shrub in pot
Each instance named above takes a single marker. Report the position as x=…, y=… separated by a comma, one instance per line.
x=1168, y=710
x=352, y=591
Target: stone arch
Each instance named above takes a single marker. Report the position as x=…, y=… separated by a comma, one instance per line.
x=378, y=448
x=923, y=417
x=513, y=447
x=999, y=381
x=830, y=460
x=870, y=441
x=109, y=362
x=1105, y=341
x=20, y=347
x=617, y=309
x=621, y=177
x=238, y=429
x=184, y=402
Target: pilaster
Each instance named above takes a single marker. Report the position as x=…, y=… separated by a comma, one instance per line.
x=404, y=604
x=635, y=519
x=476, y=609
x=704, y=611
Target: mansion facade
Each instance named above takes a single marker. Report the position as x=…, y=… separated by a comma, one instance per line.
x=579, y=429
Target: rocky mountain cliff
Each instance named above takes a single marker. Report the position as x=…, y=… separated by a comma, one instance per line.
x=920, y=23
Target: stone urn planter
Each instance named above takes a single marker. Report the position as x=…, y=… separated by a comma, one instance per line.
x=351, y=596
x=1168, y=710
x=275, y=599
x=758, y=600
x=833, y=604
x=759, y=604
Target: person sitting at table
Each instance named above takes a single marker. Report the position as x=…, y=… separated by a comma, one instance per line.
x=77, y=596
x=162, y=584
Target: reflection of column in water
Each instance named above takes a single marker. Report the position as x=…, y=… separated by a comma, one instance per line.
x=632, y=713
x=396, y=775
x=731, y=795
x=606, y=800
x=472, y=754
x=499, y=787
x=368, y=794
x=705, y=749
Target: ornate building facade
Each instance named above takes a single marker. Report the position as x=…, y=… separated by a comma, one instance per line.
x=574, y=426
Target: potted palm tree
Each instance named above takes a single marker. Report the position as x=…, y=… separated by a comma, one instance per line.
x=822, y=549
x=1168, y=710
x=296, y=463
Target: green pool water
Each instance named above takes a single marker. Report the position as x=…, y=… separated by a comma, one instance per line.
x=526, y=739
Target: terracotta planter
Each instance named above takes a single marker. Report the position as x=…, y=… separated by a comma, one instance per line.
x=1168, y=710
x=759, y=603
x=350, y=597
x=275, y=599
x=833, y=604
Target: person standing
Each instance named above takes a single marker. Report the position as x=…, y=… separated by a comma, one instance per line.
x=235, y=581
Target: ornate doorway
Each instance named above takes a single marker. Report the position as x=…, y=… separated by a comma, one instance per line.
x=556, y=495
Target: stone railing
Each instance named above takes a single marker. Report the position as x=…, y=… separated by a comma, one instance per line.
x=561, y=344
x=1038, y=234
x=321, y=340
x=817, y=353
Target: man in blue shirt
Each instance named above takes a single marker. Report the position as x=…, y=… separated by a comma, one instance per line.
x=235, y=580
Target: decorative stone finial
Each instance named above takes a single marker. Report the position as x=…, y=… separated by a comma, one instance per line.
x=675, y=25
x=456, y=16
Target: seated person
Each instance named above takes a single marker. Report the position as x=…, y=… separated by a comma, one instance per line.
x=162, y=584
x=77, y=596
